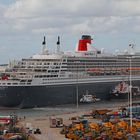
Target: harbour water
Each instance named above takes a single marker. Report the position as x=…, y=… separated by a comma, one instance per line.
x=50, y=111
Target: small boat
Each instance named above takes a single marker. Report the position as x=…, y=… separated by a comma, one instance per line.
x=122, y=90
x=88, y=98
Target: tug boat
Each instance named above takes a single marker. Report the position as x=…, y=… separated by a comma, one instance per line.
x=122, y=90
x=89, y=98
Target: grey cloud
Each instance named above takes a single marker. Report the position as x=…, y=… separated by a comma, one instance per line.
x=72, y=16
x=25, y=20
x=26, y=8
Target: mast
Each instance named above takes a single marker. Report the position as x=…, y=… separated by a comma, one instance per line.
x=58, y=45
x=44, y=47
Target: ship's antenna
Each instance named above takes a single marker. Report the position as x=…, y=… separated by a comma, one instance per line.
x=44, y=42
x=58, y=45
x=44, y=47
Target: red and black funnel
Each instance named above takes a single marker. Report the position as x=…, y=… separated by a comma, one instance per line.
x=82, y=45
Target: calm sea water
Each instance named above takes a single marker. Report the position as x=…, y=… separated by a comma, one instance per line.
x=49, y=111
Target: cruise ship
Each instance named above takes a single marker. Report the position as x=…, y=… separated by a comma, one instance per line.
x=50, y=79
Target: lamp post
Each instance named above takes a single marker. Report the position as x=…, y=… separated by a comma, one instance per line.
x=130, y=80
x=77, y=104
x=130, y=92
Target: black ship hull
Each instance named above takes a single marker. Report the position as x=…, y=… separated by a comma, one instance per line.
x=119, y=96
x=124, y=96
x=52, y=95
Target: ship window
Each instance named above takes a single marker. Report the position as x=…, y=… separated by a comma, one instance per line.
x=8, y=83
x=22, y=83
x=23, y=63
x=15, y=83
x=46, y=67
x=44, y=70
x=57, y=67
x=3, y=83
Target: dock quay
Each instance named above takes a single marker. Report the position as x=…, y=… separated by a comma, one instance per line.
x=69, y=118
x=88, y=122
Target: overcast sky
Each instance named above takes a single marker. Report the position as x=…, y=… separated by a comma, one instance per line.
x=113, y=24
